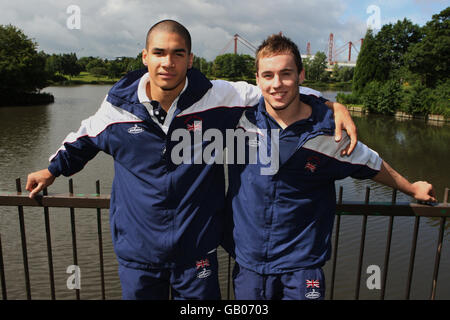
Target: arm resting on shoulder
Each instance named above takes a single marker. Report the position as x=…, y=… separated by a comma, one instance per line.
x=343, y=121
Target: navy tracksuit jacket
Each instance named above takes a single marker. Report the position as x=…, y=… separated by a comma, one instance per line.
x=283, y=221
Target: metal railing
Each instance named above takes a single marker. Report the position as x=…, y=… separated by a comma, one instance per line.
x=98, y=201
x=68, y=200
x=392, y=209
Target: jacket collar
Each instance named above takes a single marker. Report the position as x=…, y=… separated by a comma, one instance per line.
x=321, y=118
x=127, y=93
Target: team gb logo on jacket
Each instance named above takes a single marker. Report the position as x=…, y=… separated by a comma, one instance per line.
x=135, y=129
x=312, y=163
x=203, y=264
x=194, y=124
x=313, y=294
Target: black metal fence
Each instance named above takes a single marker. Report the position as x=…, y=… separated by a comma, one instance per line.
x=98, y=201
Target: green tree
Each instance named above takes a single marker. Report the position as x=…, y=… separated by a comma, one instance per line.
x=99, y=71
x=382, y=55
x=403, y=65
x=22, y=68
x=124, y=63
x=383, y=98
x=431, y=57
x=53, y=64
x=307, y=67
x=95, y=63
x=441, y=95
x=317, y=67
x=389, y=97
x=366, y=68
x=69, y=64
x=234, y=66
x=417, y=99
x=335, y=72
x=393, y=41
x=83, y=62
x=202, y=65
x=370, y=96
x=115, y=69
x=342, y=74
x=135, y=64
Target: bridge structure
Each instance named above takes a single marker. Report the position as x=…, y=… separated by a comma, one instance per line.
x=334, y=55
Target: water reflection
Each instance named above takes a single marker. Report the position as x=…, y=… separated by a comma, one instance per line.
x=414, y=148
x=22, y=130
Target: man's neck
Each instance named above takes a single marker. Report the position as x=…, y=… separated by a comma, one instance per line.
x=164, y=97
x=293, y=113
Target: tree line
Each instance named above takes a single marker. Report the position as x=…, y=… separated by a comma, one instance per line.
x=24, y=70
x=67, y=64
x=242, y=67
x=404, y=67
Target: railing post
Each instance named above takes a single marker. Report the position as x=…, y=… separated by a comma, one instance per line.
x=336, y=243
x=388, y=247
x=2, y=272
x=49, y=249
x=24, y=243
x=412, y=256
x=74, y=235
x=438, y=251
x=361, y=249
x=100, y=242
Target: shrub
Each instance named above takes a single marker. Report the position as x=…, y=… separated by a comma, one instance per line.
x=370, y=96
x=351, y=98
x=441, y=101
x=417, y=99
x=389, y=97
x=384, y=98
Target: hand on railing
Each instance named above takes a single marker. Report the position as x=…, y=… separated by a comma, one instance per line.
x=39, y=180
x=423, y=191
x=420, y=190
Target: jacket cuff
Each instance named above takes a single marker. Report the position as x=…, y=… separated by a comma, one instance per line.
x=53, y=168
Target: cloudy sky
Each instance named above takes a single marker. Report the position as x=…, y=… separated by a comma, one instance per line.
x=113, y=28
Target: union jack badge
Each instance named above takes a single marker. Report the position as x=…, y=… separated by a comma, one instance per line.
x=310, y=166
x=312, y=163
x=312, y=294
x=203, y=263
x=312, y=284
x=195, y=127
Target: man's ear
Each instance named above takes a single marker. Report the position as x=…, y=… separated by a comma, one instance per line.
x=144, y=57
x=191, y=60
x=301, y=77
x=257, y=78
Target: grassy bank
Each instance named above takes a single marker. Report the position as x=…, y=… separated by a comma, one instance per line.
x=82, y=78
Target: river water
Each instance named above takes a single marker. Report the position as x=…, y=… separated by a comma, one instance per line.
x=29, y=135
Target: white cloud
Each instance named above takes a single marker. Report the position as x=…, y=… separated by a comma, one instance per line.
x=118, y=27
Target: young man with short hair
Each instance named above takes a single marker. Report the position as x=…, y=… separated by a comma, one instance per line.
x=166, y=219
x=283, y=221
